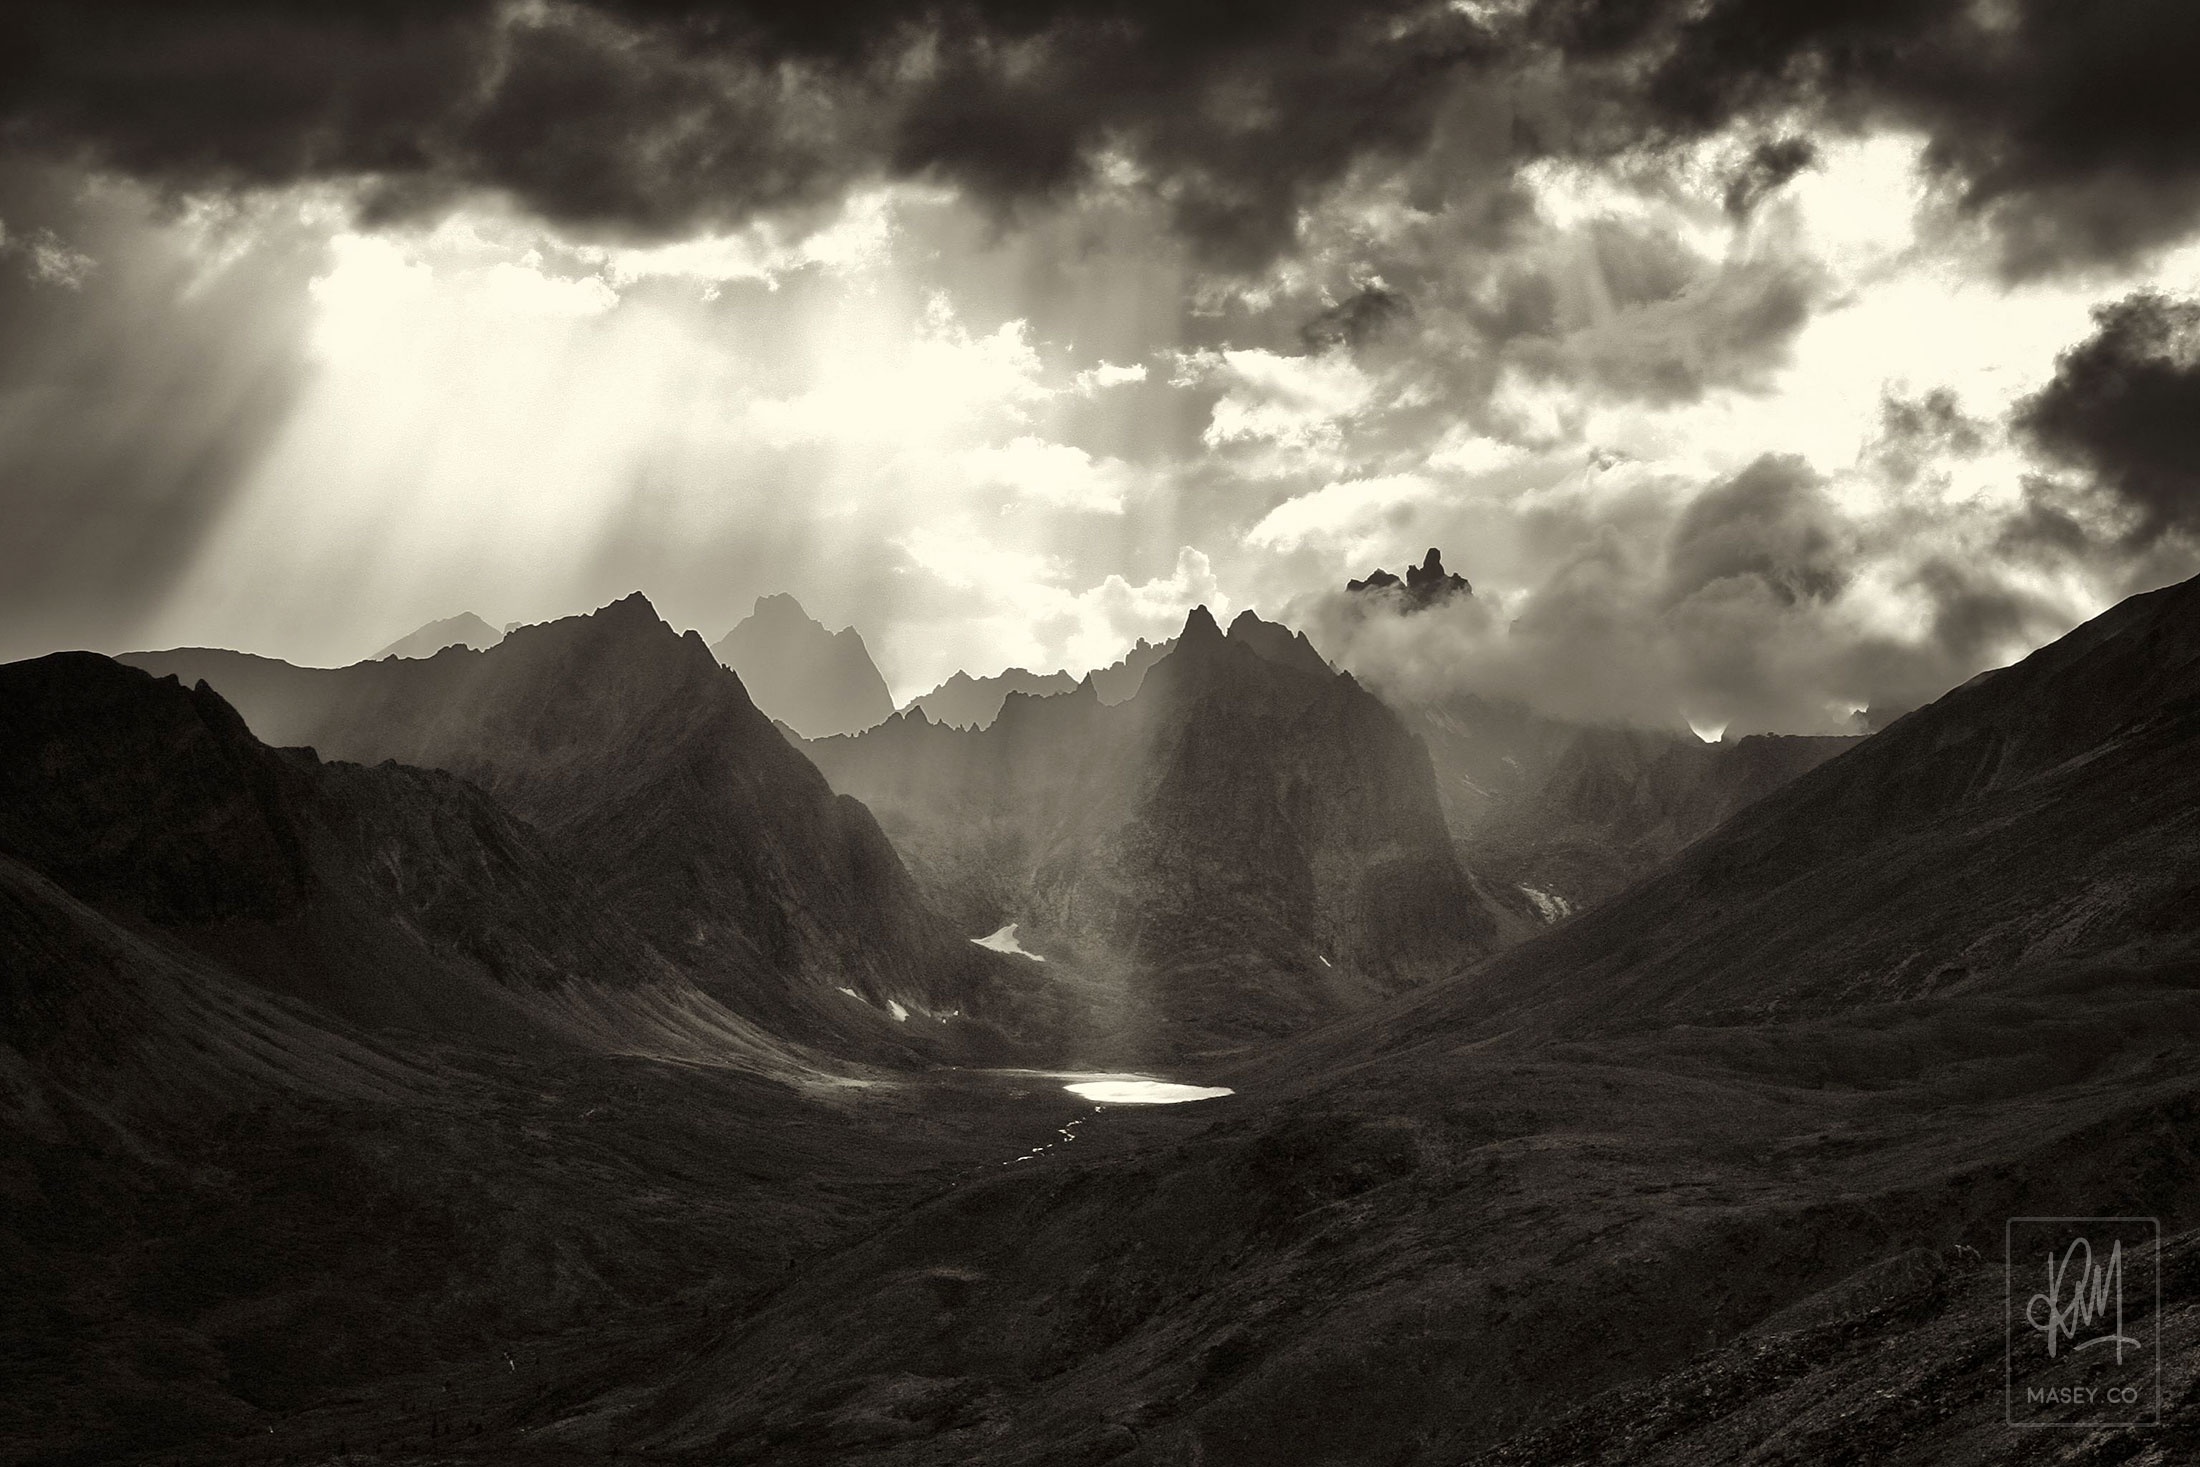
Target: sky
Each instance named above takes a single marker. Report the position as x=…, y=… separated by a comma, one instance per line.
x=1760, y=362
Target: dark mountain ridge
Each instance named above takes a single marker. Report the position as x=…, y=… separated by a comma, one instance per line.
x=652, y=775
x=391, y=898
x=2039, y=814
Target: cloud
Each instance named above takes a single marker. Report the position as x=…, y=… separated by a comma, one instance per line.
x=655, y=117
x=2123, y=408
x=1050, y=473
x=1770, y=526
x=1355, y=320
x=1770, y=164
x=1918, y=431
x=1760, y=600
x=1340, y=515
x=1289, y=409
x=1012, y=608
x=2069, y=133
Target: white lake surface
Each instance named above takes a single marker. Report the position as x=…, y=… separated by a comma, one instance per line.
x=1004, y=941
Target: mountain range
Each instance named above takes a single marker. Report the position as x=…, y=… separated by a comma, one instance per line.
x=532, y=1054
x=1249, y=844
x=1718, y=1172
x=964, y=701
x=649, y=772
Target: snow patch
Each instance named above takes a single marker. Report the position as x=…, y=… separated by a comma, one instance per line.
x=1004, y=941
x=901, y=1015
x=1550, y=904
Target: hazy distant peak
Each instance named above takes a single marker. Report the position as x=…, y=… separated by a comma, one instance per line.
x=818, y=682
x=783, y=608
x=462, y=630
x=1200, y=628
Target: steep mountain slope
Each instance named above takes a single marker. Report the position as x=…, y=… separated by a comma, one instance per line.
x=462, y=630
x=814, y=681
x=1248, y=845
x=2040, y=814
x=651, y=775
x=964, y=701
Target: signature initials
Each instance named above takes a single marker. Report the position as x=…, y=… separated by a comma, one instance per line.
x=2093, y=1290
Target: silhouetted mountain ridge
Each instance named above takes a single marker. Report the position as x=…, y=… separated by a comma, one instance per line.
x=974, y=702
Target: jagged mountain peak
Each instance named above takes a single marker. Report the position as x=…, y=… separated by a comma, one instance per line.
x=1200, y=629
x=1424, y=585
x=1277, y=643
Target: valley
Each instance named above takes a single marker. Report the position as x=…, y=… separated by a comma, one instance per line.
x=366, y=1121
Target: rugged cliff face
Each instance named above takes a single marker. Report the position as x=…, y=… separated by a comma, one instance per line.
x=651, y=775
x=1250, y=844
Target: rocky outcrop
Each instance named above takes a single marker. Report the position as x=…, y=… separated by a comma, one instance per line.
x=1425, y=585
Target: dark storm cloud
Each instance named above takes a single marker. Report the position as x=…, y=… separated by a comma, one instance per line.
x=1355, y=320
x=1917, y=432
x=1770, y=524
x=2071, y=129
x=1769, y=165
x=2124, y=408
x=650, y=116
